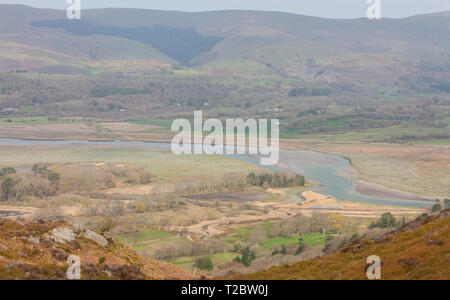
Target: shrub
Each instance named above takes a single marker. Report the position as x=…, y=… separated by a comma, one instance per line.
x=437, y=207
x=247, y=257
x=7, y=171
x=447, y=203
x=204, y=263
x=301, y=247
x=6, y=189
x=387, y=220
x=140, y=207
x=298, y=92
x=107, y=225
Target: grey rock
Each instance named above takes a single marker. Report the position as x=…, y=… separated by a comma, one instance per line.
x=61, y=235
x=108, y=272
x=99, y=239
x=64, y=233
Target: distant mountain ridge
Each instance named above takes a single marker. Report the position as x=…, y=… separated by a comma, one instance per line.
x=430, y=28
x=227, y=59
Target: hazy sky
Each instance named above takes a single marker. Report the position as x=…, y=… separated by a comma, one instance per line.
x=321, y=8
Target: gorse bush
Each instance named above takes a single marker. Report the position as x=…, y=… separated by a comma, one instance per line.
x=140, y=207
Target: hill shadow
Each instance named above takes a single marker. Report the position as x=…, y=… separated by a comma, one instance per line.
x=180, y=44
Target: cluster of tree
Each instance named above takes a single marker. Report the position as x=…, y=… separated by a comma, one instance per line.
x=387, y=220
x=15, y=186
x=315, y=91
x=194, y=186
x=283, y=251
x=7, y=171
x=43, y=171
x=44, y=181
x=322, y=223
x=436, y=207
x=204, y=263
x=114, y=90
x=275, y=180
x=301, y=246
x=247, y=257
x=115, y=209
x=129, y=174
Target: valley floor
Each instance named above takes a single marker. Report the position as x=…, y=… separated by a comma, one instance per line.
x=190, y=211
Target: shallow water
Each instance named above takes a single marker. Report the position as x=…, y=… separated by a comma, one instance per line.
x=332, y=171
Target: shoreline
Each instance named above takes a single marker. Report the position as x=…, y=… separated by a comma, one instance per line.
x=376, y=190
x=363, y=187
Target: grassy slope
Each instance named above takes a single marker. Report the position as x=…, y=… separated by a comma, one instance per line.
x=412, y=253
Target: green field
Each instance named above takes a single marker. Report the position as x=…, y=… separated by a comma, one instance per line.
x=148, y=235
x=217, y=259
x=313, y=240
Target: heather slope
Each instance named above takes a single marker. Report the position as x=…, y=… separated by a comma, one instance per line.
x=36, y=251
x=420, y=250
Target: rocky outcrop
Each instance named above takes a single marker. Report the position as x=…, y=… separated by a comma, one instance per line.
x=62, y=235
x=40, y=250
x=97, y=238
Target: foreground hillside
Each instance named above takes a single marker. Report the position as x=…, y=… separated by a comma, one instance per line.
x=419, y=250
x=40, y=251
